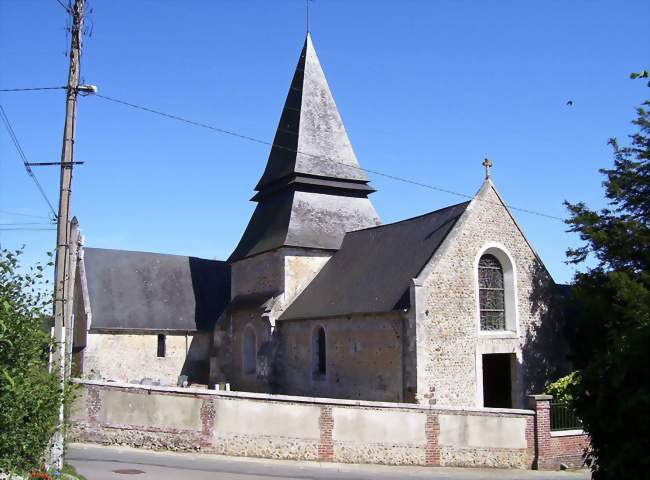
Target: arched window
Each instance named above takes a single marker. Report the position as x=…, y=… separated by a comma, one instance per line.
x=249, y=351
x=491, y=293
x=319, y=352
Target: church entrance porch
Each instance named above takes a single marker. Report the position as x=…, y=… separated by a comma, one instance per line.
x=498, y=380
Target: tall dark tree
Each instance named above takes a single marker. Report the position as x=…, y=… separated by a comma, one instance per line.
x=611, y=336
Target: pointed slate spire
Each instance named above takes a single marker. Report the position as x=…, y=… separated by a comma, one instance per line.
x=311, y=138
x=312, y=190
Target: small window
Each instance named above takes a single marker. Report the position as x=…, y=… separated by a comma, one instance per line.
x=249, y=351
x=319, y=352
x=162, y=346
x=491, y=293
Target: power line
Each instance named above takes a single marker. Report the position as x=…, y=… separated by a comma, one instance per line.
x=67, y=9
x=16, y=224
x=27, y=229
x=22, y=155
x=30, y=89
x=7, y=212
x=271, y=144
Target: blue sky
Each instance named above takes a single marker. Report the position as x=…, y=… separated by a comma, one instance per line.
x=426, y=90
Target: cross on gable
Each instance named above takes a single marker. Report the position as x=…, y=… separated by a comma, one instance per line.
x=487, y=163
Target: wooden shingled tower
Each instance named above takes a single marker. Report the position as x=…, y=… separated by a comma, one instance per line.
x=313, y=189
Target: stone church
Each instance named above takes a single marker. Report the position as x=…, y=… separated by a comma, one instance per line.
x=319, y=298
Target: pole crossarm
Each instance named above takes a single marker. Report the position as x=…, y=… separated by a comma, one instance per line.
x=49, y=164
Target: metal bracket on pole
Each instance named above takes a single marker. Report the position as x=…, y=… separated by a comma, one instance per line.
x=49, y=164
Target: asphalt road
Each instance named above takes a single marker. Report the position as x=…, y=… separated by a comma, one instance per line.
x=104, y=463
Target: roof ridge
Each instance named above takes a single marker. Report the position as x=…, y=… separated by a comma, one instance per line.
x=409, y=219
x=152, y=253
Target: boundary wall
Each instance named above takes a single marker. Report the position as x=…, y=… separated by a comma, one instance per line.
x=319, y=429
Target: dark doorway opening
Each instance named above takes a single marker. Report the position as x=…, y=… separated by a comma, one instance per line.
x=497, y=380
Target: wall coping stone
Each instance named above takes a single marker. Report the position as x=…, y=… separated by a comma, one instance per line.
x=311, y=400
x=539, y=398
x=568, y=433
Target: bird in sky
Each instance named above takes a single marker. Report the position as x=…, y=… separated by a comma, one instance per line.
x=569, y=103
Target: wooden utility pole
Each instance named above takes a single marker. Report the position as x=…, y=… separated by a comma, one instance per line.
x=62, y=266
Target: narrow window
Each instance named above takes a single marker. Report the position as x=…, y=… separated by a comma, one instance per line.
x=249, y=351
x=319, y=352
x=491, y=293
x=162, y=346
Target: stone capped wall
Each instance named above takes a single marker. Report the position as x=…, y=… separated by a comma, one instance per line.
x=448, y=345
x=301, y=428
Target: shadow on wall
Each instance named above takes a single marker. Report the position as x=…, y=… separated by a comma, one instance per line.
x=196, y=365
x=211, y=287
x=545, y=351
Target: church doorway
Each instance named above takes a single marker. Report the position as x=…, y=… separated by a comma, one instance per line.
x=497, y=380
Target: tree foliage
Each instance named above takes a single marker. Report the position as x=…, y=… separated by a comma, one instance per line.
x=29, y=395
x=562, y=388
x=611, y=337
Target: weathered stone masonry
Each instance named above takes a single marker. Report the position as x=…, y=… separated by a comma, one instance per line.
x=303, y=428
x=448, y=341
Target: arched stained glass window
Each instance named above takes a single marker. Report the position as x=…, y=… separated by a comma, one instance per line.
x=491, y=293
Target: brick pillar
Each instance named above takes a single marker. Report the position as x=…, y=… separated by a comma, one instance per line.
x=432, y=430
x=207, y=414
x=530, y=441
x=542, y=406
x=326, y=425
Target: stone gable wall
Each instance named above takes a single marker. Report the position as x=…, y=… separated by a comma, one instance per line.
x=447, y=341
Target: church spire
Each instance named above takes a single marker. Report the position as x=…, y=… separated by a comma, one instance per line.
x=311, y=139
x=313, y=189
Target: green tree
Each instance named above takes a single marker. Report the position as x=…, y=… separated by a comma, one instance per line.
x=611, y=335
x=29, y=395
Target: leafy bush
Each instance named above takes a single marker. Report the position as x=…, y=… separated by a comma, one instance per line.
x=561, y=389
x=29, y=394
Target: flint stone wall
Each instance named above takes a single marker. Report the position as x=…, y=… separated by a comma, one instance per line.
x=448, y=343
x=300, y=428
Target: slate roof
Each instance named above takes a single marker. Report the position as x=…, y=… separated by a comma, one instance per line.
x=303, y=219
x=373, y=269
x=142, y=291
x=312, y=191
x=311, y=124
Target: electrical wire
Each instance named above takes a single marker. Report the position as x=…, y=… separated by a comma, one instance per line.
x=271, y=144
x=67, y=9
x=27, y=229
x=17, y=224
x=23, y=157
x=7, y=212
x=30, y=89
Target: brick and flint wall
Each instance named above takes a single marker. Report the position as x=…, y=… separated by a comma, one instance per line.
x=304, y=428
